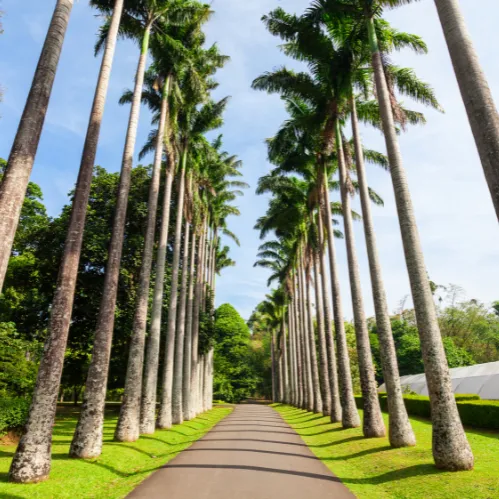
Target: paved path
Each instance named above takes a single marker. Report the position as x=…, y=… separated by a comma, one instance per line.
x=251, y=454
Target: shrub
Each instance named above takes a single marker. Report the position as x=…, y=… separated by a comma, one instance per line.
x=13, y=414
x=480, y=413
x=466, y=396
x=473, y=411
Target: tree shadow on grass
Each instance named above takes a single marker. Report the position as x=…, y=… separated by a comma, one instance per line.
x=396, y=475
x=337, y=442
x=361, y=453
x=329, y=430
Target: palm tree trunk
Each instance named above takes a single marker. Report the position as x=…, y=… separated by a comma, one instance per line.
x=323, y=362
x=206, y=381
x=373, y=424
x=451, y=449
x=281, y=384
x=299, y=361
x=148, y=405
x=177, y=405
x=212, y=374
x=165, y=408
x=35, y=445
x=128, y=427
x=22, y=155
x=349, y=415
x=313, y=348
x=87, y=440
x=328, y=328
x=186, y=397
x=475, y=91
x=195, y=322
x=273, y=368
x=292, y=357
x=286, y=362
x=309, y=385
x=399, y=429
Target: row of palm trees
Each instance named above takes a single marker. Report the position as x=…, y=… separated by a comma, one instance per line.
x=346, y=46
x=176, y=87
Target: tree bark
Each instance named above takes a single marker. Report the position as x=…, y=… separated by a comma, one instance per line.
x=165, y=408
x=299, y=363
x=451, y=449
x=186, y=397
x=399, y=429
x=323, y=364
x=475, y=91
x=87, y=440
x=22, y=155
x=128, y=427
x=292, y=359
x=177, y=404
x=313, y=347
x=148, y=404
x=349, y=414
x=373, y=424
x=301, y=307
x=273, y=367
x=195, y=322
x=286, y=362
x=35, y=445
x=328, y=329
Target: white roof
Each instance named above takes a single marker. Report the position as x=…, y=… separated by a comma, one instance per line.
x=481, y=379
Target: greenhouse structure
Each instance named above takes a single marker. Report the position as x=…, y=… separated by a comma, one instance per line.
x=481, y=379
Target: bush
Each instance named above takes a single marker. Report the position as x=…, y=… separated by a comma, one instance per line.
x=473, y=411
x=13, y=414
x=480, y=413
x=466, y=396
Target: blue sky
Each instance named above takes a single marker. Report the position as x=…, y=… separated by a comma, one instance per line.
x=458, y=227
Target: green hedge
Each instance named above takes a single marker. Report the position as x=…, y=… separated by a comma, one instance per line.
x=474, y=412
x=13, y=414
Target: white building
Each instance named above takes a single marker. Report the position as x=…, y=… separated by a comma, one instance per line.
x=482, y=379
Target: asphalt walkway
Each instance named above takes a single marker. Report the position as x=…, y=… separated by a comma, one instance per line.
x=251, y=454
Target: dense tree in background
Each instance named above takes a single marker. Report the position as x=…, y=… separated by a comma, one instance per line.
x=235, y=375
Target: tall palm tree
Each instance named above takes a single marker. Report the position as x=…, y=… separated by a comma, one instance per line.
x=138, y=23
x=39, y=428
x=400, y=429
x=193, y=124
x=170, y=51
x=22, y=155
x=475, y=91
x=451, y=450
x=306, y=42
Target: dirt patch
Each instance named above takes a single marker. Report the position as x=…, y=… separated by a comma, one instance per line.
x=11, y=438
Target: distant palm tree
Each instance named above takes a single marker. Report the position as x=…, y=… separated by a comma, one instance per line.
x=22, y=155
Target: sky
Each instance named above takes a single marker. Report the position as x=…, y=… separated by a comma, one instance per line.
x=456, y=220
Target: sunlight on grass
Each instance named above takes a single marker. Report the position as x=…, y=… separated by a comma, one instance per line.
x=120, y=467
x=373, y=470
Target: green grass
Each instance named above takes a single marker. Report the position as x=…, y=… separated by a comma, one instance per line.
x=120, y=467
x=373, y=470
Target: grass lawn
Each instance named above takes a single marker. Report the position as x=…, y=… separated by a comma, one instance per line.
x=371, y=469
x=120, y=467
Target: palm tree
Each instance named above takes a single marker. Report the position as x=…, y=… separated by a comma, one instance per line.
x=170, y=51
x=400, y=429
x=22, y=155
x=475, y=91
x=376, y=425
x=138, y=23
x=44, y=400
x=193, y=125
x=451, y=450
